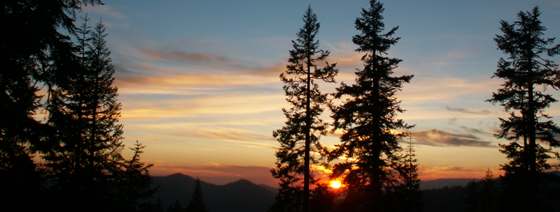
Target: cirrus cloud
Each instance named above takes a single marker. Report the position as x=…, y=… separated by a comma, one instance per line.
x=435, y=137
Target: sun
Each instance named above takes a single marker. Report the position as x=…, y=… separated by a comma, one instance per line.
x=336, y=184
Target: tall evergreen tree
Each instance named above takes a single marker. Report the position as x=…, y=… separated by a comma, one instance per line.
x=85, y=149
x=29, y=34
x=367, y=116
x=299, y=139
x=524, y=72
x=197, y=201
x=408, y=193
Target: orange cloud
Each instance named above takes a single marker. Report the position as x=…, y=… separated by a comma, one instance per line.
x=237, y=136
x=178, y=107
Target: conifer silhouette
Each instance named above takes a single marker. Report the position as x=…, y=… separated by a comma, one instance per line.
x=525, y=73
x=408, y=193
x=135, y=180
x=84, y=158
x=294, y=157
x=367, y=116
x=481, y=195
x=30, y=36
x=197, y=201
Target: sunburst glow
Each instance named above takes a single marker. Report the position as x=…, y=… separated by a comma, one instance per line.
x=336, y=184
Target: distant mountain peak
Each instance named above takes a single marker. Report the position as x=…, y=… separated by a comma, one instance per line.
x=244, y=181
x=241, y=183
x=239, y=196
x=177, y=174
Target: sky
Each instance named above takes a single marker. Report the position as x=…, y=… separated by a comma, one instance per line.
x=199, y=80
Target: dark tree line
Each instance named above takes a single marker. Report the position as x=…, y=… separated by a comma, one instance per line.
x=80, y=141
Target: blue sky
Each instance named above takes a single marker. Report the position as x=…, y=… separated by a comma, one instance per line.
x=199, y=83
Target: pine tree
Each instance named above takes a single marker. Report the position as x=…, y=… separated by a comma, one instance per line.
x=299, y=139
x=136, y=181
x=197, y=201
x=367, y=116
x=85, y=149
x=29, y=34
x=408, y=193
x=524, y=72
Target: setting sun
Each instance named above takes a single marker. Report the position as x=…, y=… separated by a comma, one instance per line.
x=336, y=184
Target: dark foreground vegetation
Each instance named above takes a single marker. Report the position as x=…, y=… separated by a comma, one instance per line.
x=378, y=173
x=79, y=141
x=452, y=195
x=71, y=159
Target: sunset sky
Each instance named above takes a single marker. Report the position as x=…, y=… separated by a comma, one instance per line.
x=199, y=85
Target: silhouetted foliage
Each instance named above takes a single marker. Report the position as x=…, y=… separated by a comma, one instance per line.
x=481, y=196
x=367, y=117
x=29, y=35
x=529, y=192
x=151, y=207
x=407, y=192
x=524, y=72
x=135, y=181
x=304, y=124
x=175, y=207
x=197, y=202
x=82, y=152
x=446, y=199
x=324, y=200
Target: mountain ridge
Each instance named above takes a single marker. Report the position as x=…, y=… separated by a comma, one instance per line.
x=239, y=196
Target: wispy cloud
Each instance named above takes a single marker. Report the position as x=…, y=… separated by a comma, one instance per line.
x=474, y=130
x=103, y=10
x=444, y=89
x=470, y=111
x=435, y=137
x=186, y=57
x=214, y=105
x=177, y=84
x=229, y=135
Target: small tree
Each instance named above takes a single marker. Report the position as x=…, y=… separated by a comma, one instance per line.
x=408, y=193
x=197, y=201
x=135, y=181
x=294, y=157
